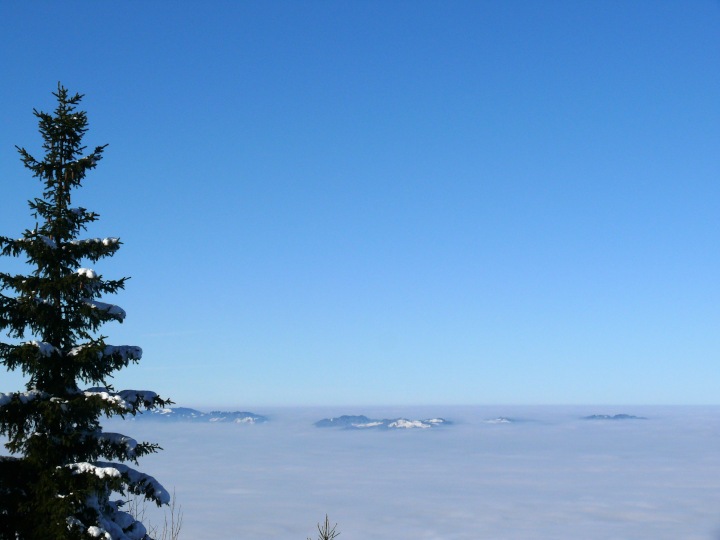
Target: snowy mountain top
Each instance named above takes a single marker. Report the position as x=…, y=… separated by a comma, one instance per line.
x=613, y=417
x=499, y=420
x=363, y=422
x=185, y=414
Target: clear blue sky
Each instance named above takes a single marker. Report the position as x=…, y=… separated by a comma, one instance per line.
x=393, y=202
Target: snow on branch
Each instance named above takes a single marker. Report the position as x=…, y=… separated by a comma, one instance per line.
x=111, y=530
x=89, y=468
x=138, y=482
x=116, y=312
x=110, y=397
x=87, y=272
x=77, y=350
x=139, y=397
x=104, y=241
x=99, y=532
x=149, y=485
x=49, y=242
x=112, y=523
x=127, y=399
x=24, y=397
x=126, y=352
x=45, y=348
x=119, y=439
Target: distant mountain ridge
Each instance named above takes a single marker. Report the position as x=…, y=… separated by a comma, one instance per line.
x=613, y=417
x=349, y=422
x=499, y=420
x=185, y=414
x=363, y=422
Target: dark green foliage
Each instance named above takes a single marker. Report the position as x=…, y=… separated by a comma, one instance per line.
x=54, y=486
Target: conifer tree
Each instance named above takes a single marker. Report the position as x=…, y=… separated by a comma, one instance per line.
x=65, y=477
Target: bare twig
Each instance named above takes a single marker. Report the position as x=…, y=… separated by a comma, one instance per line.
x=137, y=507
x=325, y=532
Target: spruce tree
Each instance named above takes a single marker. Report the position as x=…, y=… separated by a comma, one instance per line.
x=65, y=477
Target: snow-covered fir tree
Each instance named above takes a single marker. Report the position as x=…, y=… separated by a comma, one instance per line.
x=64, y=477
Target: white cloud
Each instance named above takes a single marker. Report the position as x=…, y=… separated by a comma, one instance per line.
x=554, y=476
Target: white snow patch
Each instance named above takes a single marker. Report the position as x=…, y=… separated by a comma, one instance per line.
x=111, y=309
x=87, y=272
x=127, y=352
x=128, y=399
x=136, y=477
x=77, y=350
x=367, y=425
x=120, y=439
x=117, y=470
x=49, y=242
x=45, y=348
x=97, y=532
x=107, y=396
x=88, y=468
x=24, y=397
x=138, y=396
x=408, y=424
x=104, y=241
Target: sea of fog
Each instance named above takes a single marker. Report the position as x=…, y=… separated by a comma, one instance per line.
x=548, y=475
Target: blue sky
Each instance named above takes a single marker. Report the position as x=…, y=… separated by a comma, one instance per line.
x=393, y=203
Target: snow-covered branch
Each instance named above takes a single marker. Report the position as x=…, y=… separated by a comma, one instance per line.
x=49, y=242
x=88, y=468
x=23, y=397
x=33, y=236
x=119, y=439
x=116, y=312
x=138, y=482
x=139, y=397
x=45, y=348
x=87, y=272
x=148, y=484
x=110, y=397
x=126, y=352
x=127, y=399
x=111, y=241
